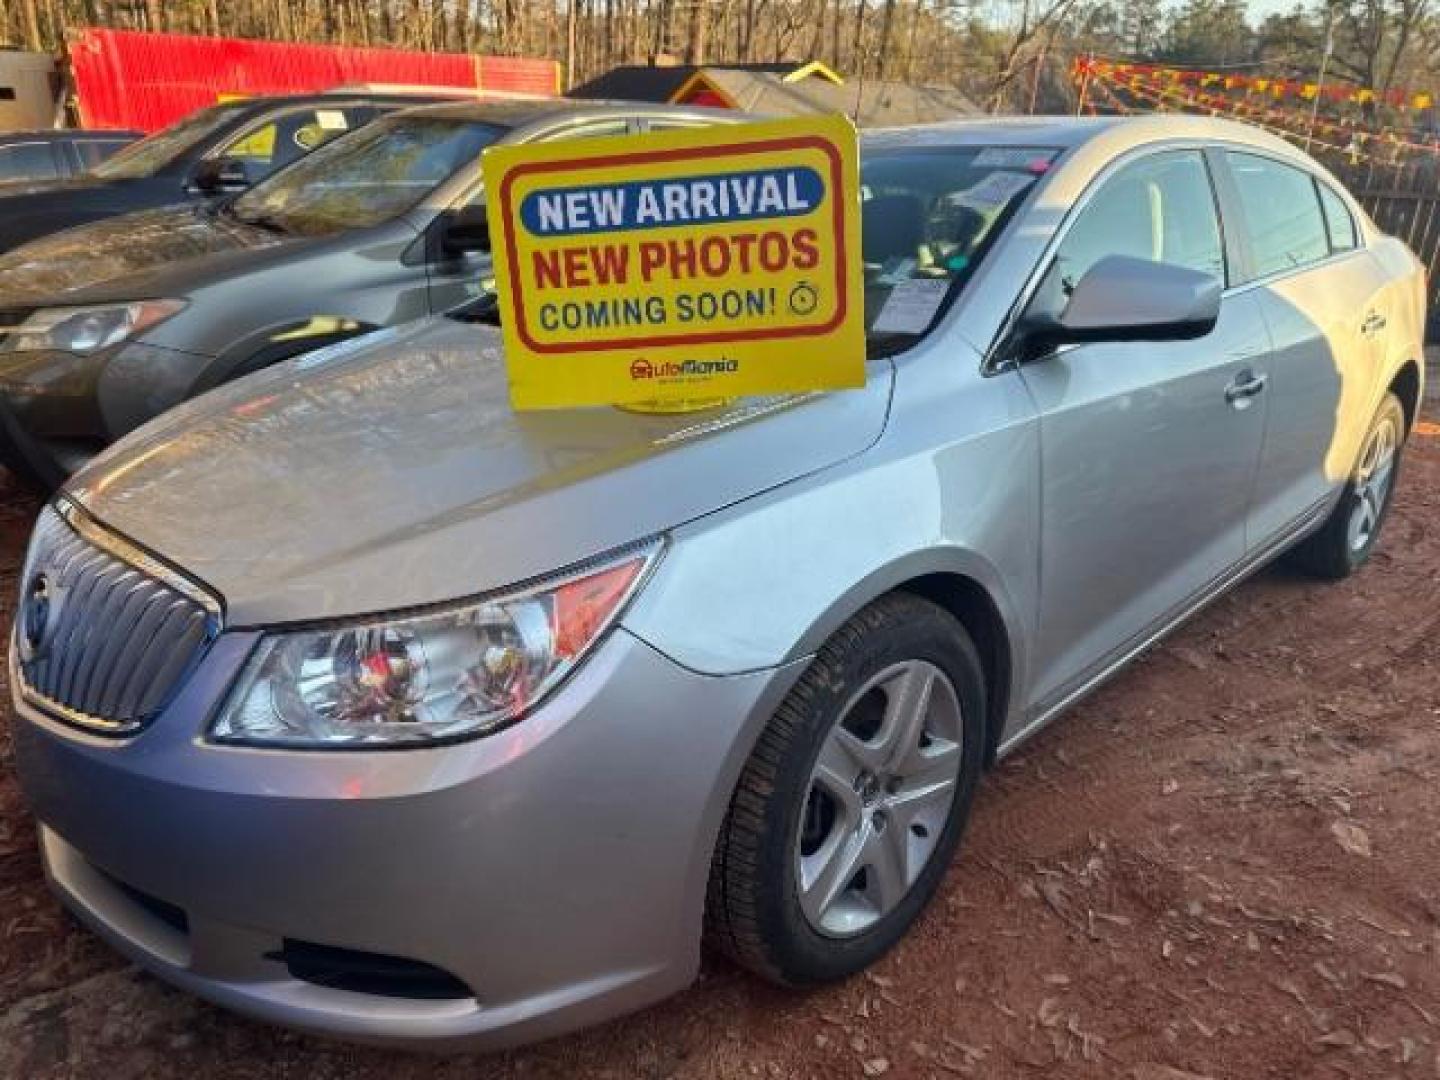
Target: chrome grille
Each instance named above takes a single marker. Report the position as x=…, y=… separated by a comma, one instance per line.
x=104, y=635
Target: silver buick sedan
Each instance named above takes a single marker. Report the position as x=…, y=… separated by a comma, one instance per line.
x=352, y=699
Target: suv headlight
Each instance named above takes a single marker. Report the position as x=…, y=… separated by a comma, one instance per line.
x=85, y=330
x=461, y=671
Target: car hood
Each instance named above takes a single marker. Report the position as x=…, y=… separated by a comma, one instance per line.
x=131, y=257
x=393, y=474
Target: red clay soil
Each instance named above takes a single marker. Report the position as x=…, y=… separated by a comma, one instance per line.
x=1224, y=864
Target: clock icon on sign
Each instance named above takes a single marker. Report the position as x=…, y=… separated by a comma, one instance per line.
x=804, y=299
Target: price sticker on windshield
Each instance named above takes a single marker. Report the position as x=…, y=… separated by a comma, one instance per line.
x=681, y=265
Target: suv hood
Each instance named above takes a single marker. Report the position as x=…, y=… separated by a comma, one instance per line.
x=395, y=473
x=132, y=257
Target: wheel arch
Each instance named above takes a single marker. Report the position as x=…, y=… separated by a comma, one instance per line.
x=971, y=605
x=1406, y=386
x=969, y=588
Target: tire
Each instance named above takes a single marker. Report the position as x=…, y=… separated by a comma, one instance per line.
x=784, y=817
x=1344, y=542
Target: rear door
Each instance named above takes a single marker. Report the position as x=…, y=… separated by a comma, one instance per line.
x=1319, y=291
x=1148, y=450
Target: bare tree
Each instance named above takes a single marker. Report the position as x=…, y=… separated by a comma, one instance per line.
x=1376, y=36
x=1036, y=24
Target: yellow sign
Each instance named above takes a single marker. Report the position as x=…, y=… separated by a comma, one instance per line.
x=679, y=265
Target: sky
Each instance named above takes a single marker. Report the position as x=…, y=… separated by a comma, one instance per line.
x=1260, y=10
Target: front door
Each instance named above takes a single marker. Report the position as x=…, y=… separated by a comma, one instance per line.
x=1149, y=450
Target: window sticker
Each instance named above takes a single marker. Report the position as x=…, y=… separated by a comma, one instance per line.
x=896, y=272
x=992, y=193
x=911, y=306
x=332, y=120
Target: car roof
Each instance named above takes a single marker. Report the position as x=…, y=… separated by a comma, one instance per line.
x=518, y=112
x=334, y=97
x=1120, y=133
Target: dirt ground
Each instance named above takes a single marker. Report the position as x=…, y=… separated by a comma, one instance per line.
x=1224, y=864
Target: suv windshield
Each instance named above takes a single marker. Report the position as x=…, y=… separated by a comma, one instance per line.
x=148, y=156
x=928, y=217
x=366, y=178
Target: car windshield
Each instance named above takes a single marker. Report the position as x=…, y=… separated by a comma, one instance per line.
x=366, y=178
x=928, y=217
x=148, y=156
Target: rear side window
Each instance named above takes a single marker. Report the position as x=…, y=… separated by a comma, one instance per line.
x=1160, y=208
x=27, y=161
x=1282, y=213
x=1338, y=219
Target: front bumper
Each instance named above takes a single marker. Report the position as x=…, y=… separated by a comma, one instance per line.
x=556, y=869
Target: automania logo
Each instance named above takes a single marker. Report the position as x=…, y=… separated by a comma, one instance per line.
x=668, y=369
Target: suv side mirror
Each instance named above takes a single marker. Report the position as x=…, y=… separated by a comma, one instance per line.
x=1122, y=298
x=220, y=176
x=465, y=231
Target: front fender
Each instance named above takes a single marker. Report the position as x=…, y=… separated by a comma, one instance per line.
x=949, y=489
x=768, y=581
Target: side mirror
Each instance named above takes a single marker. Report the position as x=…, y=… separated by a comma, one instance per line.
x=1126, y=299
x=220, y=176
x=465, y=231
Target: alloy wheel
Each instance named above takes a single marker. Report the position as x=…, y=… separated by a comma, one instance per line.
x=1372, y=485
x=878, y=799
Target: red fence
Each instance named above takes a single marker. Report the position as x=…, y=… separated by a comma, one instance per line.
x=128, y=79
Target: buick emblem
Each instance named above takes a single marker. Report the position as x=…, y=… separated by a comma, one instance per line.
x=35, y=616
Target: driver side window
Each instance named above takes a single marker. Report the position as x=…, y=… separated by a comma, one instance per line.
x=1160, y=208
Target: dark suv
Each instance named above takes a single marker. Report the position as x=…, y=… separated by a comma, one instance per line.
x=217, y=151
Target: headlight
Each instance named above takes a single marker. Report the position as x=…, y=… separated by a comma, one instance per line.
x=88, y=329
x=466, y=670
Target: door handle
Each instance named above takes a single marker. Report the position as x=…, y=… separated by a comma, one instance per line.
x=1373, y=324
x=1243, y=387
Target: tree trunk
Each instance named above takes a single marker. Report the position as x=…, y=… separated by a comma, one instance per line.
x=747, y=33
x=857, y=51
x=917, y=12
x=886, y=21
x=569, y=44
x=32, y=26
x=699, y=26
